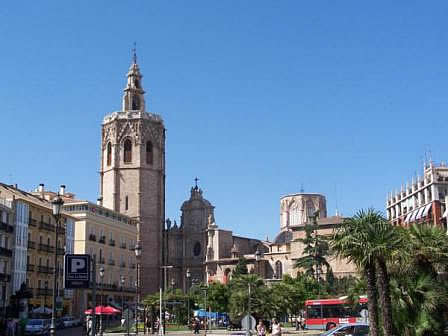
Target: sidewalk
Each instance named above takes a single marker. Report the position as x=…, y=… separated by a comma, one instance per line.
x=222, y=332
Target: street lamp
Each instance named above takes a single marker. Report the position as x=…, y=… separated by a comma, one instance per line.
x=138, y=253
x=57, y=206
x=188, y=275
x=101, y=299
x=122, y=297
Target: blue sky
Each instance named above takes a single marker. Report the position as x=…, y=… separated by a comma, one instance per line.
x=258, y=97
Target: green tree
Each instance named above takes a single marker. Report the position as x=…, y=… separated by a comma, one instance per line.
x=240, y=268
x=351, y=241
x=316, y=251
x=218, y=297
x=260, y=297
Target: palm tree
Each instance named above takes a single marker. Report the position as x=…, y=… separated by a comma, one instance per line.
x=351, y=241
x=384, y=242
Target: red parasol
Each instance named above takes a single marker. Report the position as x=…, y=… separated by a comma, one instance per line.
x=103, y=310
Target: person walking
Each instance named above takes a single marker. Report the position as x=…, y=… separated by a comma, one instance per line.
x=261, y=329
x=276, y=328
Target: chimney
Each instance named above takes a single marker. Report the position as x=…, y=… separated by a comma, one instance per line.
x=99, y=201
x=62, y=190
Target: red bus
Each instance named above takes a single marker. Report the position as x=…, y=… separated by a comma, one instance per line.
x=329, y=313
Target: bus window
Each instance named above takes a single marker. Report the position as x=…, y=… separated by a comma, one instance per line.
x=313, y=312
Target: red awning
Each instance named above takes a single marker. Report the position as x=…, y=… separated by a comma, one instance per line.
x=103, y=310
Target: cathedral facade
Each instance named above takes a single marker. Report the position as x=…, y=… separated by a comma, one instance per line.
x=132, y=182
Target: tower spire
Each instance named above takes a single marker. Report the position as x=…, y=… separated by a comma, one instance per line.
x=134, y=53
x=133, y=98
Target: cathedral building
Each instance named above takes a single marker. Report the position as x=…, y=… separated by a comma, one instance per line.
x=132, y=182
x=132, y=172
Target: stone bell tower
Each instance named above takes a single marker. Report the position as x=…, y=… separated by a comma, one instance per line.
x=132, y=172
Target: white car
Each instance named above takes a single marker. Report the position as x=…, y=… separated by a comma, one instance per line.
x=70, y=321
x=350, y=329
x=39, y=327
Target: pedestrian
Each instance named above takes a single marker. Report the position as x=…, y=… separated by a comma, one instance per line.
x=261, y=329
x=89, y=324
x=196, y=326
x=276, y=328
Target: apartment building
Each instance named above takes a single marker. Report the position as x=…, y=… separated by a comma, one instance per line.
x=109, y=237
x=34, y=247
x=423, y=199
x=6, y=243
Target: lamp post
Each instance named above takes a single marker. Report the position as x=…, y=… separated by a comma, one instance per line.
x=188, y=276
x=101, y=299
x=138, y=253
x=122, y=296
x=57, y=206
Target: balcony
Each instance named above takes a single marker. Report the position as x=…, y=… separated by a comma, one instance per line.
x=111, y=262
x=61, y=230
x=44, y=291
x=123, y=245
x=6, y=227
x=132, y=265
x=122, y=264
x=32, y=222
x=31, y=244
x=46, y=248
x=46, y=226
x=5, y=252
x=102, y=261
x=30, y=267
x=102, y=240
x=45, y=269
x=5, y=277
x=92, y=237
x=111, y=242
x=60, y=251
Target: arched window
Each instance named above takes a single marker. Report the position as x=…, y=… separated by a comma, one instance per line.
x=149, y=153
x=109, y=154
x=278, y=269
x=127, y=151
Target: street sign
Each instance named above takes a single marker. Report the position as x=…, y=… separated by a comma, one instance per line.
x=77, y=271
x=248, y=322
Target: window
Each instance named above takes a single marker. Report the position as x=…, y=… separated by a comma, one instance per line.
x=149, y=153
x=278, y=269
x=197, y=249
x=109, y=154
x=126, y=205
x=127, y=151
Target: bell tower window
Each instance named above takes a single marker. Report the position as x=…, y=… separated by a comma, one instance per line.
x=149, y=153
x=109, y=154
x=127, y=151
x=135, y=103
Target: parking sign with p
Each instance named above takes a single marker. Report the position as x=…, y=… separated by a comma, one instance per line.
x=77, y=270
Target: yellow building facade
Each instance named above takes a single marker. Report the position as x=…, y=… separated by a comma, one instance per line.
x=109, y=238
x=35, y=246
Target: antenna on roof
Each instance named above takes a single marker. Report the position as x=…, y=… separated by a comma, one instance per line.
x=336, y=196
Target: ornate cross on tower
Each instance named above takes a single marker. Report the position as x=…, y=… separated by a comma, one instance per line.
x=134, y=53
x=196, y=182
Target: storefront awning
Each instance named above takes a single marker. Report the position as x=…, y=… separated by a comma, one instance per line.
x=426, y=211
x=419, y=213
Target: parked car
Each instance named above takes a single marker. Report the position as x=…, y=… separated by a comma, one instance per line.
x=70, y=321
x=37, y=327
x=350, y=329
x=59, y=323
